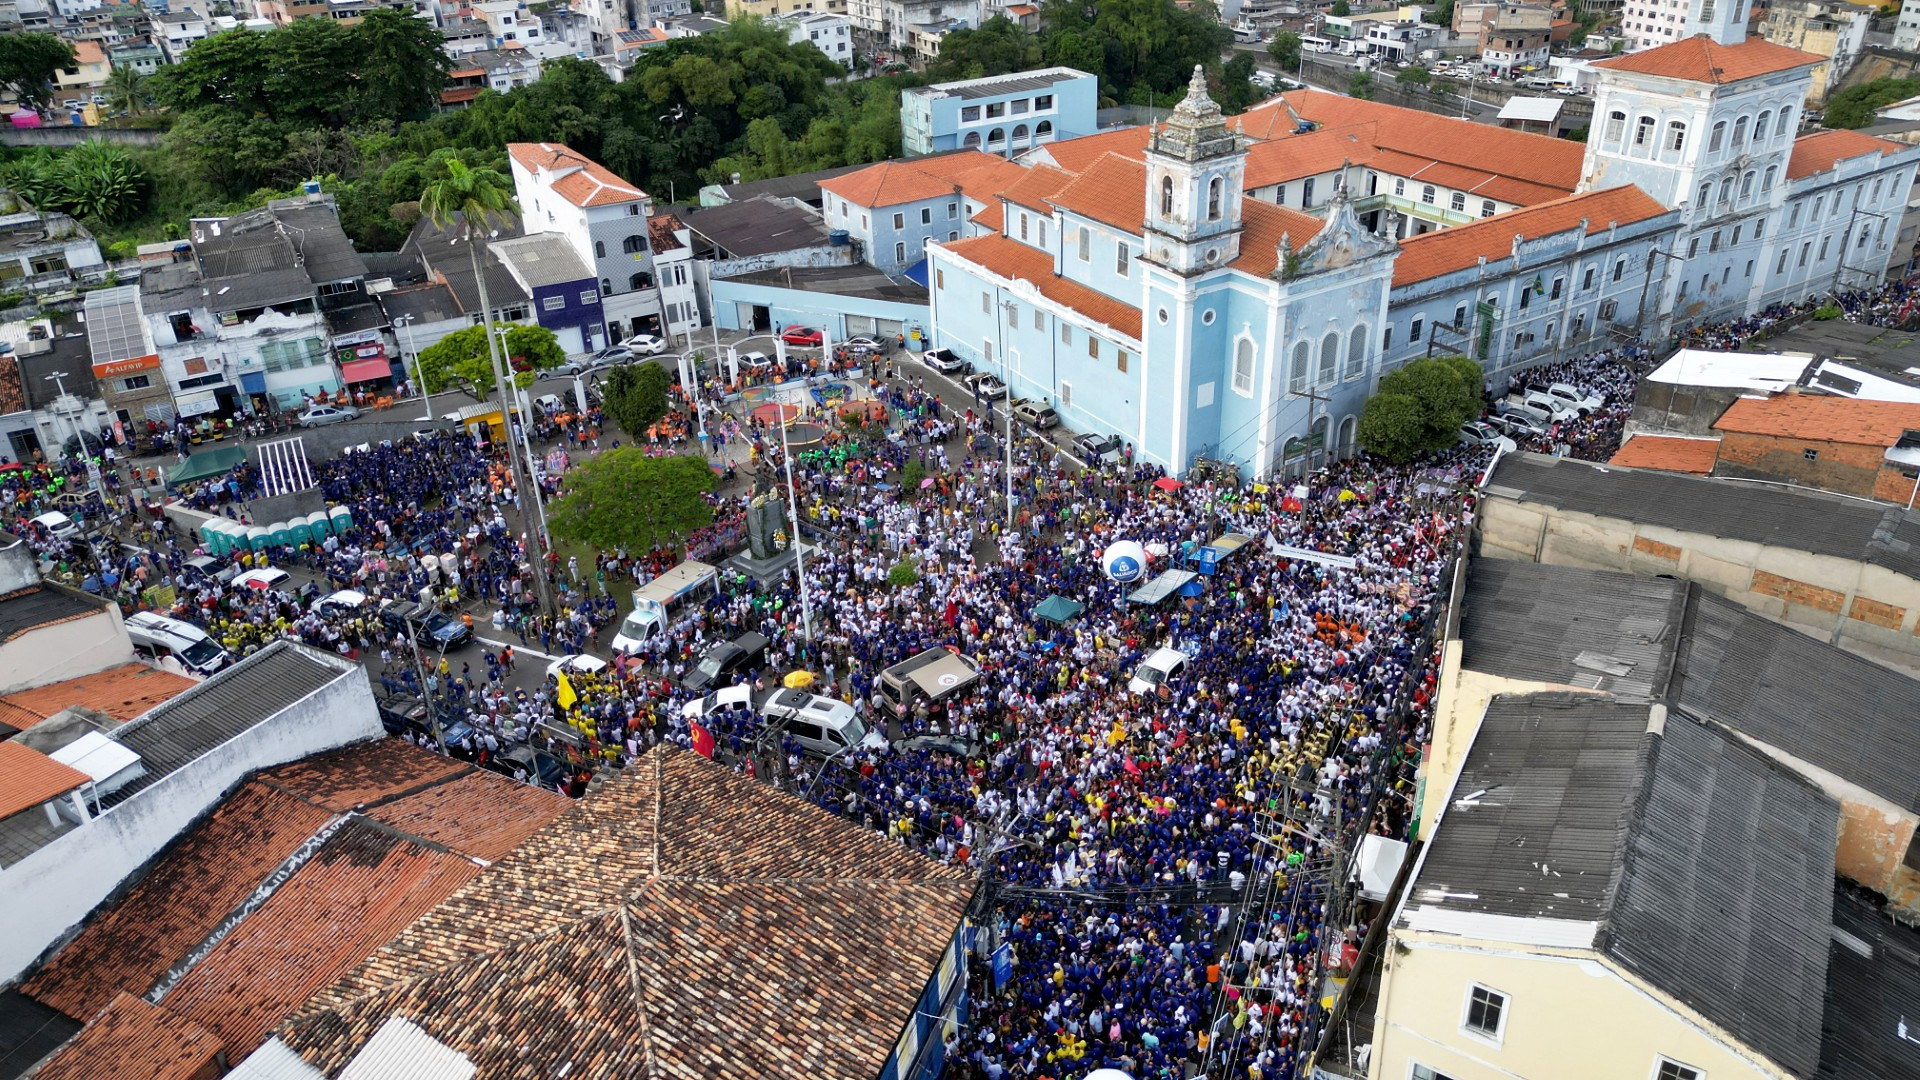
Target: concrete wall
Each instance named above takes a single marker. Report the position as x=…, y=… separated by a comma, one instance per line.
x=1570, y=1015
x=1853, y=604
x=825, y=255
x=53, y=890
x=65, y=650
x=74, y=136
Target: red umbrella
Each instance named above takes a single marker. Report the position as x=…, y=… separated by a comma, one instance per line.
x=1168, y=483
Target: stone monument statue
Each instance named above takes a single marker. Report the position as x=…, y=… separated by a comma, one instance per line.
x=768, y=530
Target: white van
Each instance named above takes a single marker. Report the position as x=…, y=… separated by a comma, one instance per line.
x=1160, y=669
x=656, y=603
x=822, y=725
x=170, y=643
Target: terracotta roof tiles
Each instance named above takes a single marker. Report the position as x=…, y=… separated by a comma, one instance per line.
x=1278, y=161
x=1669, y=454
x=1436, y=253
x=478, y=813
x=1039, y=184
x=579, y=179
x=1262, y=226
x=680, y=922
x=29, y=778
x=363, y=886
x=1112, y=190
x=362, y=775
x=129, y=1038
x=182, y=896
x=1821, y=150
x=122, y=692
x=890, y=183
x=1819, y=418
x=1702, y=59
x=1011, y=259
x=1074, y=155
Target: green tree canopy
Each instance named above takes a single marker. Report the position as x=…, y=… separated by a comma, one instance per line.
x=28, y=63
x=635, y=396
x=1233, y=86
x=461, y=358
x=1360, y=85
x=1420, y=407
x=1285, y=49
x=998, y=47
x=1857, y=106
x=1414, y=76
x=624, y=500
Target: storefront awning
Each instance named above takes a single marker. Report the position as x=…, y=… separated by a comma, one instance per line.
x=359, y=371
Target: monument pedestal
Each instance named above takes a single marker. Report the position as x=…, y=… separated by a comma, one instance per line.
x=765, y=569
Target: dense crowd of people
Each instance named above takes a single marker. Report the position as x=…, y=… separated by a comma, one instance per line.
x=1157, y=861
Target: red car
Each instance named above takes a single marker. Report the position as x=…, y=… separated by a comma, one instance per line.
x=803, y=335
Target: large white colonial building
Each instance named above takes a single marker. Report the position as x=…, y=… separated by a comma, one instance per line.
x=1235, y=288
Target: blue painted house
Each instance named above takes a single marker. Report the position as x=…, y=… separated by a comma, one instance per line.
x=565, y=291
x=1000, y=114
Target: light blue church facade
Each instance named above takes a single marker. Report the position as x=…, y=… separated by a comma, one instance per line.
x=1152, y=300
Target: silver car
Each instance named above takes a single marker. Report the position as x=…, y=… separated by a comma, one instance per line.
x=322, y=415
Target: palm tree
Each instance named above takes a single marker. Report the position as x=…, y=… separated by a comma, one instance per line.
x=477, y=202
x=127, y=91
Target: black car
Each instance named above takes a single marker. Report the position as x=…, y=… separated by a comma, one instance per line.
x=725, y=661
x=404, y=714
x=430, y=627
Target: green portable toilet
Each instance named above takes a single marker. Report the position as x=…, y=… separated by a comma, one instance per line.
x=341, y=518
x=298, y=531
x=317, y=526
x=278, y=535
x=256, y=538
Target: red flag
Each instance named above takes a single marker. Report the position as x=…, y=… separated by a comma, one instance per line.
x=1132, y=768
x=953, y=612
x=702, y=741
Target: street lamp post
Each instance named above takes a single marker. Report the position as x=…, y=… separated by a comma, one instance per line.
x=799, y=549
x=405, y=322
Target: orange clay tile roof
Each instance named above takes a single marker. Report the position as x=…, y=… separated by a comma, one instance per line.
x=1074, y=155
x=663, y=233
x=1036, y=187
x=363, y=775
x=122, y=692
x=1111, y=190
x=131, y=1037
x=1436, y=253
x=1262, y=226
x=457, y=94
x=992, y=216
x=586, y=182
x=178, y=902
x=478, y=813
x=362, y=887
x=1535, y=159
x=1012, y=259
x=1277, y=161
x=1818, y=418
x=982, y=181
x=889, y=183
x=29, y=778
x=1702, y=59
x=1668, y=454
x=660, y=928
x=1819, y=151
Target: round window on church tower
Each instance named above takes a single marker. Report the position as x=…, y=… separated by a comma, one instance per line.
x=1213, y=256
x=1207, y=316
x=1162, y=316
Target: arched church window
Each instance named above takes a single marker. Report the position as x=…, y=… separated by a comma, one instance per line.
x=1243, y=367
x=1297, y=374
x=1676, y=136
x=1746, y=185
x=1329, y=357
x=1616, y=127
x=1166, y=195
x=1781, y=127
x=1216, y=190
x=1357, y=352
x=1726, y=190
x=1739, y=133
x=1718, y=140
x=1705, y=196
x=1773, y=171
x=1760, y=126
x=1643, y=132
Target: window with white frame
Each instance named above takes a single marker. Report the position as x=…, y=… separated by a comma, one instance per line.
x=1121, y=257
x=1329, y=358
x=899, y=221
x=553, y=303
x=1066, y=395
x=1357, y=351
x=1485, y=1014
x=1086, y=244
x=1297, y=373
x=1423, y=1072
x=1668, y=1069
x=1459, y=202
x=900, y=252
x=1243, y=367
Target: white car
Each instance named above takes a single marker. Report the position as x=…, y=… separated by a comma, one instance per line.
x=319, y=415
x=645, y=344
x=1480, y=433
x=863, y=343
x=341, y=602
x=1575, y=398
x=988, y=385
x=271, y=577
x=576, y=664
x=57, y=524
x=1160, y=668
